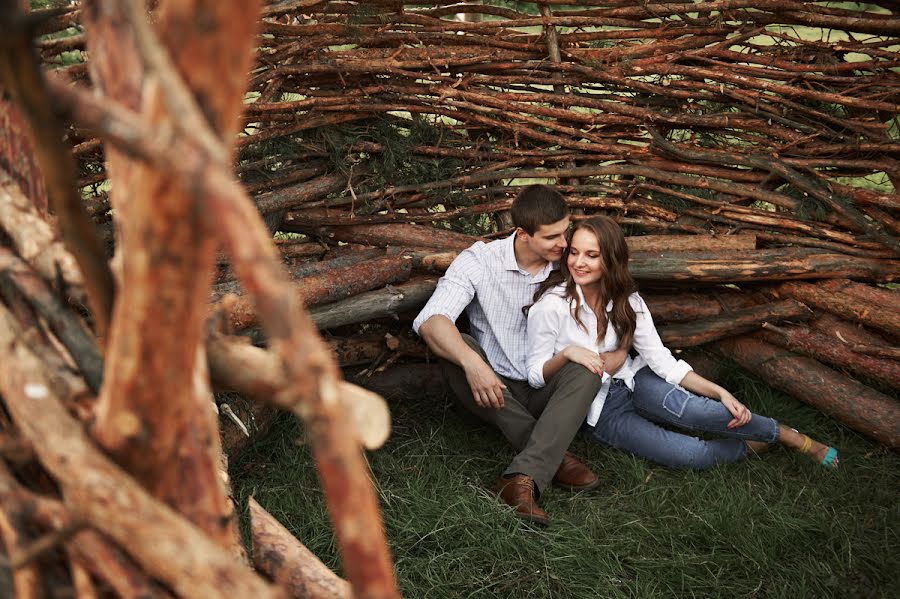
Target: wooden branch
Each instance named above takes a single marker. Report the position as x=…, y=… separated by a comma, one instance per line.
x=35, y=241
x=20, y=67
x=103, y=496
x=288, y=563
x=18, y=277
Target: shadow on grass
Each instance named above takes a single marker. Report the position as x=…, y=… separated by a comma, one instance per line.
x=772, y=526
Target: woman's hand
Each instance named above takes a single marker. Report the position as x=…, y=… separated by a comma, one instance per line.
x=587, y=358
x=740, y=412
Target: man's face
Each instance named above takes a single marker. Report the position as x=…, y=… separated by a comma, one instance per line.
x=549, y=241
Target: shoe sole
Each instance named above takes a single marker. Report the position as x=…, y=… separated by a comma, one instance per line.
x=534, y=519
x=587, y=487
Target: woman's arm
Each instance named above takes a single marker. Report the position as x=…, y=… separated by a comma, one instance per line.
x=580, y=355
x=695, y=383
x=545, y=322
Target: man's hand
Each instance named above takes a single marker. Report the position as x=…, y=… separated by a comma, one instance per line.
x=486, y=387
x=614, y=360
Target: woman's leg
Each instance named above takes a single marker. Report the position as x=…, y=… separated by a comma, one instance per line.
x=622, y=427
x=665, y=403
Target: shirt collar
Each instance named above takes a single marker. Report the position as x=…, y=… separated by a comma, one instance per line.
x=584, y=304
x=510, y=263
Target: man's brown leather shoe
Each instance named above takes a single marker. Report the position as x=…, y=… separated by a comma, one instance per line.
x=518, y=493
x=573, y=475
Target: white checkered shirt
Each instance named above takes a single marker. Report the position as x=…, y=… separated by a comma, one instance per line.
x=486, y=281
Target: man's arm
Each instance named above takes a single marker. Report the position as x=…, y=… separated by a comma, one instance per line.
x=444, y=339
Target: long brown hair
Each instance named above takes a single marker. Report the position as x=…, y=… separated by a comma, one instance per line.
x=616, y=284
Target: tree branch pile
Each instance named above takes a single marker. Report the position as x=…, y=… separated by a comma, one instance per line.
x=749, y=149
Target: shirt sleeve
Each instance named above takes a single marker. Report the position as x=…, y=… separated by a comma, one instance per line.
x=650, y=346
x=456, y=289
x=544, y=321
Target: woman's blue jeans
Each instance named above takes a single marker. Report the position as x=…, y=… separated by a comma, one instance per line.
x=631, y=421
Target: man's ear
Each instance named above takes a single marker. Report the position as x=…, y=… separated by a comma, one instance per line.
x=520, y=232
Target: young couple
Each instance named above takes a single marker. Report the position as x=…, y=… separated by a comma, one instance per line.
x=566, y=365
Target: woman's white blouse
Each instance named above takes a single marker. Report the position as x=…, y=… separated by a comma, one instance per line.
x=552, y=328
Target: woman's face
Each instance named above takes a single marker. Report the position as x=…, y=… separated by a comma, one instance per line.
x=585, y=262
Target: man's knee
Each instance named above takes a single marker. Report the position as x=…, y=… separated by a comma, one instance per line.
x=580, y=379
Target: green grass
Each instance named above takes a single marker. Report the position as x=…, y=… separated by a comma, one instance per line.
x=773, y=526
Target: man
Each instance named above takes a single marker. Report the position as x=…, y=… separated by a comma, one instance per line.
x=493, y=282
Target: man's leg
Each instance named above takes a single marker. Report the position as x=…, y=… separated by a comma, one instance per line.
x=515, y=422
x=562, y=405
x=513, y=419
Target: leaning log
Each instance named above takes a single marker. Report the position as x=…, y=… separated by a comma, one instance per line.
x=691, y=334
x=814, y=344
x=861, y=408
x=286, y=561
x=882, y=317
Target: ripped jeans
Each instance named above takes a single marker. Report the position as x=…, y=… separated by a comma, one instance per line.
x=631, y=421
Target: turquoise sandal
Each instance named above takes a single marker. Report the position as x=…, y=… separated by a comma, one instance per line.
x=830, y=460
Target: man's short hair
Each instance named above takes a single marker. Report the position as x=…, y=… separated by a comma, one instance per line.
x=538, y=205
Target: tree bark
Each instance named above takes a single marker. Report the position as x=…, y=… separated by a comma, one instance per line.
x=329, y=286
x=841, y=356
x=289, y=563
x=97, y=492
x=878, y=316
x=690, y=334
x=172, y=447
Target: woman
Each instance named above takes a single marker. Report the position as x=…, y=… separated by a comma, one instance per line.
x=596, y=309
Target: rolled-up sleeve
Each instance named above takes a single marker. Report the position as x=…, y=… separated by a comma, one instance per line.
x=648, y=343
x=544, y=320
x=455, y=290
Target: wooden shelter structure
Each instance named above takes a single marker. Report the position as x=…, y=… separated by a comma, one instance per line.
x=751, y=150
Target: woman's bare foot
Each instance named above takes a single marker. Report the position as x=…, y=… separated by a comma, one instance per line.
x=794, y=439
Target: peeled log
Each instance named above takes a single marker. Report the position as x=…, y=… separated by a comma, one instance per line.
x=760, y=265
x=690, y=334
x=397, y=234
x=840, y=355
x=881, y=317
x=691, y=243
x=289, y=563
x=861, y=408
x=330, y=286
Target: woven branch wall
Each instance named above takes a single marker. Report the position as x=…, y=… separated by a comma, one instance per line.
x=770, y=115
